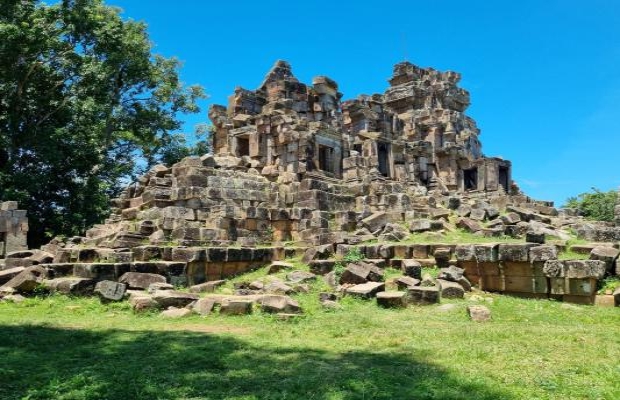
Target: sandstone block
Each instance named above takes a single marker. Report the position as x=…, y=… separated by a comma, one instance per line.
x=451, y=290
x=236, y=307
x=366, y=290
x=422, y=295
x=279, y=304
x=479, y=313
x=171, y=298
x=411, y=268
x=110, y=290
x=138, y=280
x=392, y=299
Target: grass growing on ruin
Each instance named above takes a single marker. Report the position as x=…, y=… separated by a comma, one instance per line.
x=456, y=237
x=63, y=348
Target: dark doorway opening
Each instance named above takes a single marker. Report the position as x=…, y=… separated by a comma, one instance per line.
x=326, y=158
x=2, y=244
x=503, y=178
x=243, y=146
x=470, y=179
x=383, y=150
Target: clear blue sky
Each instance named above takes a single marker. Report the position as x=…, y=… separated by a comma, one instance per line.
x=544, y=76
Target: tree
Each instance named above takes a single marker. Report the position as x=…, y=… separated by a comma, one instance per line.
x=595, y=205
x=175, y=147
x=84, y=107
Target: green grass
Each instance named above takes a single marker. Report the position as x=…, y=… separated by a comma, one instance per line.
x=64, y=348
x=456, y=237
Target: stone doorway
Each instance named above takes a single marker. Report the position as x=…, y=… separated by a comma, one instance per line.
x=470, y=179
x=326, y=158
x=503, y=178
x=383, y=153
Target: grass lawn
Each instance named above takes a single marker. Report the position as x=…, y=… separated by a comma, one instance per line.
x=63, y=348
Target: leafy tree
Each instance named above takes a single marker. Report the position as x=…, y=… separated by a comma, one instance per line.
x=595, y=205
x=175, y=147
x=84, y=106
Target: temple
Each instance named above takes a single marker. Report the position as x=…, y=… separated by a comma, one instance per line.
x=416, y=133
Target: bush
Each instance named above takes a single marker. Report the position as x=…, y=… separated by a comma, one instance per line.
x=595, y=205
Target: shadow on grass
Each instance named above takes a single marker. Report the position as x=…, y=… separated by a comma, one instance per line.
x=49, y=363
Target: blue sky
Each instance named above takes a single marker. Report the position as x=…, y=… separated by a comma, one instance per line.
x=544, y=76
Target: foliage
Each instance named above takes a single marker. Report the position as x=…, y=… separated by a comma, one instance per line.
x=84, y=107
x=596, y=205
x=175, y=147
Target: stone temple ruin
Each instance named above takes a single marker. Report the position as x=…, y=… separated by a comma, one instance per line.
x=296, y=171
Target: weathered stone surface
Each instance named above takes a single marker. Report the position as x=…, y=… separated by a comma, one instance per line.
x=355, y=273
x=412, y=268
x=8, y=274
x=110, y=290
x=422, y=295
x=543, y=253
x=574, y=269
x=515, y=252
x=403, y=282
x=174, y=312
x=392, y=299
x=451, y=273
x=278, y=287
x=278, y=304
x=535, y=237
x=468, y=225
x=375, y=222
x=153, y=287
x=203, y=306
x=206, y=287
x=617, y=297
x=71, y=285
x=171, y=298
x=140, y=280
x=236, y=307
x=366, y=290
x=608, y=255
x=451, y=290
x=143, y=303
x=278, y=266
x=27, y=280
x=420, y=225
x=300, y=277
x=479, y=313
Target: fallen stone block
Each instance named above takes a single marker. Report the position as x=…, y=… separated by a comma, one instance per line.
x=617, y=297
x=171, y=298
x=392, y=299
x=535, y=237
x=153, y=287
x=279, y=304
x=174, y=312
x=236, y=307
x=468, y=225
x=300, y=277
x=278, y=287
x=278, y=266
x=451, y=290
x=10, y=273
x=27, y=280
x=71, y=285
x=206, y=287
x=422, y=295
x=404, y=282
x=479, y=313
x=375, y=222
x=203, y=306
x=140, y=280
x=451, y=273
x=366, y=290
x=420, y=225
x=142, y=303
x=608, y=255
x=110, y=290
x=411, y=268
x=355, y=273
x=515, y=252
